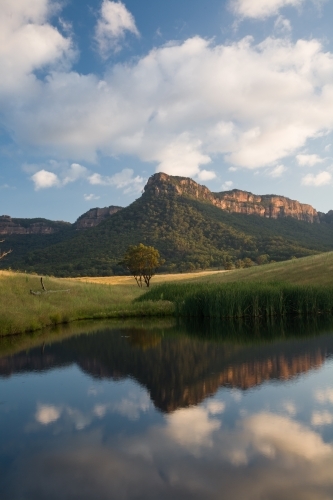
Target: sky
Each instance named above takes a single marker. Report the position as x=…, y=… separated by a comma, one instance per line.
x=98, y=95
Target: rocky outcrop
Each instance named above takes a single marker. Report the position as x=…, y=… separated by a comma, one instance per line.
x=10, y=226
x=236, y=201
x=95, y=216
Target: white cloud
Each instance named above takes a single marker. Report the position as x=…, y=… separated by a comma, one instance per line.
x=28, y=42
x=226, y=186
x=278, y=171
x=121, y=180
x=309, y=160
x=321, y=418
x=74, y=173
x=91, y=197
x=261, y=9
x=328, y=147
x=263, y=104
x=112, y=26
x=44, y=179
x=47, y=414
x=321, y=179
x=282, y=25
x=206, y=175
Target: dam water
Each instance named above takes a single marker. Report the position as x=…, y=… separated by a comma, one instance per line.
x=156, y=410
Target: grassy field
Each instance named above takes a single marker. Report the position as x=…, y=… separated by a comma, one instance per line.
x=22, y=312
x=313, y=270
x=113, y=297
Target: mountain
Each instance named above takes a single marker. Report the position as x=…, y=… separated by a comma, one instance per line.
x=234, y=201
x=192, y=228
x=177, y=370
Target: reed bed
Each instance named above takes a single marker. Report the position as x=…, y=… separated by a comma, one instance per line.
x=245, y=299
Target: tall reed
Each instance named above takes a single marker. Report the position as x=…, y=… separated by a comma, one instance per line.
x=245, y=299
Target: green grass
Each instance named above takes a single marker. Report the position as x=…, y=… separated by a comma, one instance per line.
x=244, y=299
x=22, y=312
x=312, y=270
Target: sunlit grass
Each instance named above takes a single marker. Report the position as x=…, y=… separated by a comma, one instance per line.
x=21, y=311
x=114, y=297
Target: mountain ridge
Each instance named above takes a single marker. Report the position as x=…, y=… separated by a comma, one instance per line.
x=184, y=221
x=233, y=201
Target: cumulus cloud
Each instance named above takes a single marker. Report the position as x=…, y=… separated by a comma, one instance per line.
x=321, y=179
x=308, y=160
x=263, y=102
x=278, y=171
x=206, y=175
x=121, y=180
x=28, y=42
x=261, y=9
x=44, y=179
x=112, y=26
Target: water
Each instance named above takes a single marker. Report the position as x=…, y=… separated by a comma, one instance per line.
x=159, y=413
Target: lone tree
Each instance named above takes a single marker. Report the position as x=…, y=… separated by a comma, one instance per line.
x=142, y=261
x=3, y=254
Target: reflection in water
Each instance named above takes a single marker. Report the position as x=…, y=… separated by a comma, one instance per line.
x=144, y=413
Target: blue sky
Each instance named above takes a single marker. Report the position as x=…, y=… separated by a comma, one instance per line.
x=96, y=96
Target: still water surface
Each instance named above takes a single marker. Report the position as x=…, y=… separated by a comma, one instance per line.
x=151, y=412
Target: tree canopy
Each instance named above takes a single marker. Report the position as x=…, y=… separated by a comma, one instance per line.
x=142, y=261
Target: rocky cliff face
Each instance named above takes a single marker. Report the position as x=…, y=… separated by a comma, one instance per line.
x=95, y=216
x=270, y=206
x=10, y=226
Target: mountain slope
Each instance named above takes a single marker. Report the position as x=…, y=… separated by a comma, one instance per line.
x=189, y=230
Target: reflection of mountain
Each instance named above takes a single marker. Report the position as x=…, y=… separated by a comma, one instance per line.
x=178, y=371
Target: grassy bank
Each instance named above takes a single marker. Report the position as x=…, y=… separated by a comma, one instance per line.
x=114, y=297
x=244, y=299
x=22, y=312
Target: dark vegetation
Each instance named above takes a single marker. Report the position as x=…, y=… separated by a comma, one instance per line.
x=189, y=235
x=244, y=299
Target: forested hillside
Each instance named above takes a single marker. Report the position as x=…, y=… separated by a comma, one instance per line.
x=189, y=232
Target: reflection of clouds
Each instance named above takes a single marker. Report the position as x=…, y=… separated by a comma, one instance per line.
x=236, y=395
x=192, y=427
x=46, y=414
x=264, y=456
x=286, y=436
x=321, y=418
x=215, y=407
x=324, y=396
x=290, y=408
x=132, y=406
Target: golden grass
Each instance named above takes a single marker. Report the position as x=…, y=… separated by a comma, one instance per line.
x=112, y=297
x=20, y=311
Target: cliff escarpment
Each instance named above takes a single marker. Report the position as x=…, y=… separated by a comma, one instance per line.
x=9, y=226
x=95, y=216
x=234, y=201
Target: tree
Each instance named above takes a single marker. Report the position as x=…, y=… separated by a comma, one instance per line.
x=3, y=254
x=142, y=261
